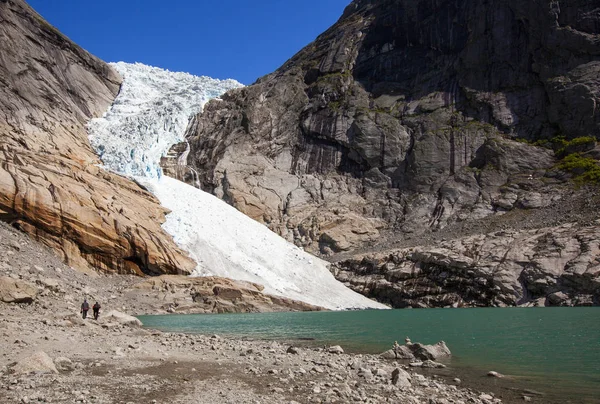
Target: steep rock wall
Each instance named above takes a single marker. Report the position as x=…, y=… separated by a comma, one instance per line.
x=399, y=119
x=50, y=185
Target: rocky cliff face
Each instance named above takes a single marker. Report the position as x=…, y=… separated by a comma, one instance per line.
x=402, y=117
x=555, y=266
x=401, y=120
x=50, y=185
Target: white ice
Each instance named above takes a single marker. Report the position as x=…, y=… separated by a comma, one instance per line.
x=150, y=114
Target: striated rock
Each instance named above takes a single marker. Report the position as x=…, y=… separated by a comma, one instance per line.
x=495, y=269
x=184, y=294
x=401, y=119
x=39, y=362
x=16, y=291
x=50, y=183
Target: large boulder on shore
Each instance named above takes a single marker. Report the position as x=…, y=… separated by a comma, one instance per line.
x=16, y=291
x=39, y=362
x=117, y=318
x=418, y=351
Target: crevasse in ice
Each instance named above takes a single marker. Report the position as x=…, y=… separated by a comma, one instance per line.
x=150, y=114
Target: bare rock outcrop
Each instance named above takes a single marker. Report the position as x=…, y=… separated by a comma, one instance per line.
x=549, y=266
x=180, y=294
x=50, y=183
x=402, y=118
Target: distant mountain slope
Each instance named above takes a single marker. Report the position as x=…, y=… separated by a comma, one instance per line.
x=50, y=185
x=402, y=120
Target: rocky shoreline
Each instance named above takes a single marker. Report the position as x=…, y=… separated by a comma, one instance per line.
x=114, y=360
x=99, y=364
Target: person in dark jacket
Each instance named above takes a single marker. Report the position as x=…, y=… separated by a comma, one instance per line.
x=96, y=307
x=85, y=306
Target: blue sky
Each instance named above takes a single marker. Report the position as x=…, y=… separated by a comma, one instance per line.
x=240, y=39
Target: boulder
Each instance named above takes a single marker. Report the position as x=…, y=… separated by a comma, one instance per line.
x=50, y=284
x=365, y=373
x=432, y=364
x=39, y=362
x=293, y=350
x=401, y=378
x=16, y=291
x=389, y=354
x=431, y=352
x=116, y=317
x=336, y=349
x=418, y=351
x=64, y=364
x=558, y=299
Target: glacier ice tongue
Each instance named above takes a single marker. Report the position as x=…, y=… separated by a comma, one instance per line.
x=225, y=242
x=149, y=115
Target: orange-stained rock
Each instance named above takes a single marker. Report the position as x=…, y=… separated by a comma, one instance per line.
x=50, y=185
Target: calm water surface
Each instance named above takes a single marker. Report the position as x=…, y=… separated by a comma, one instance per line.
x=552, y=350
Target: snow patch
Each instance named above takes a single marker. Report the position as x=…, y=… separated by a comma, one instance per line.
x=225, y=242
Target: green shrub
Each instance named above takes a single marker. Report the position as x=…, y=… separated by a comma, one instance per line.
x=584, y=169
x=563, y=147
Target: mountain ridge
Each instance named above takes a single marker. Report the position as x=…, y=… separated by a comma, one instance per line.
x=403, y=119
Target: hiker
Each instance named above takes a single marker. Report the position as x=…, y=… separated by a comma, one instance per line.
x=85, y=306
x=96, y=307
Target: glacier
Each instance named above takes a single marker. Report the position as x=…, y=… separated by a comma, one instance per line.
x=150, y=114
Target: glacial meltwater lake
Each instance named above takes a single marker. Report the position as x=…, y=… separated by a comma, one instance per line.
x=555, y=351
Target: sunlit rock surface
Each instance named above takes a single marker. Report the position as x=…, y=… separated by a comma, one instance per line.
x=50, y=185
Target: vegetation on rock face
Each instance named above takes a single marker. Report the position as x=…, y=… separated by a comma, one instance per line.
x=564, y=147
x=584, y=169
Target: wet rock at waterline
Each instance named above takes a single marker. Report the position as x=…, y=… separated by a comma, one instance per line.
x=418, y=351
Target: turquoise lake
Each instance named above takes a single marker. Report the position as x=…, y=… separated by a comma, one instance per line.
x=555, y=351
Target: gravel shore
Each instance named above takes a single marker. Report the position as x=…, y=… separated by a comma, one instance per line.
x=108, y=361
